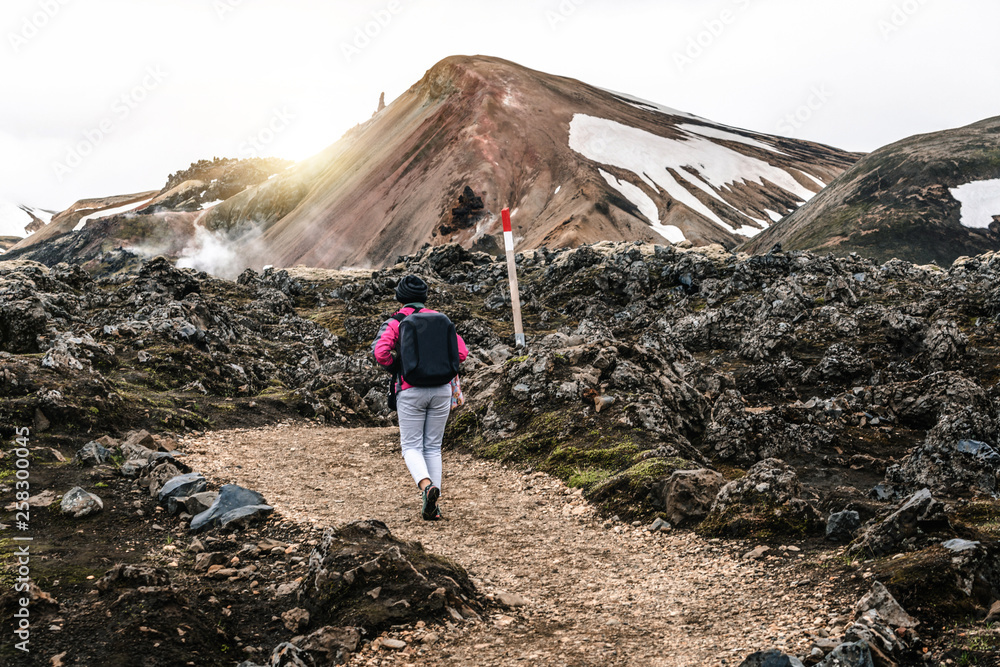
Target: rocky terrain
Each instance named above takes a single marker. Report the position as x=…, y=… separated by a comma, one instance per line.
x=751, y=404
x=906, y=200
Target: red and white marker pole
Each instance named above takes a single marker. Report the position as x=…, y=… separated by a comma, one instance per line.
x=515, y=295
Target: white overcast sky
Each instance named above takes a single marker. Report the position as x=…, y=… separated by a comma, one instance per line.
x=202, y=77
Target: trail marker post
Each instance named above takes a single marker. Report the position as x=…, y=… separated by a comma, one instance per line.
x=515, y=295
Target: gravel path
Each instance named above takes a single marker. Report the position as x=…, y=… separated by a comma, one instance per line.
x=597, y=593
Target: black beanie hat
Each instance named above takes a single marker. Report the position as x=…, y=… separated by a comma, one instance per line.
x=411, y=289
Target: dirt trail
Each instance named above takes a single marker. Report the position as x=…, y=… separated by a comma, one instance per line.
x=598, y=593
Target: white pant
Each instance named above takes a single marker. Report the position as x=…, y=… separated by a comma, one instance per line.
x=423, y=413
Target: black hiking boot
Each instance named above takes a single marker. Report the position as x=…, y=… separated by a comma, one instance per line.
x=429, y=511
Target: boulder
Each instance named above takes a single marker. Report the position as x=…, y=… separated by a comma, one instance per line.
x=80, y=503
x=766, y=502
x=955, y=458
x=688, y=494
x=882, y=601
x=352, y=561
x=243, y=516
x=841, y=526
x=231, y=498
x=918, y=512
x=182, y=486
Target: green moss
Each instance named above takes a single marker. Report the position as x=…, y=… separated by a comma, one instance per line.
x=582, y=479
x=759, y=519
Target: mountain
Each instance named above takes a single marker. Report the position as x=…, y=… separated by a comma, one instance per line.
x=929, y=198
x=575, y=163
x=17, y=220
x=163, y=221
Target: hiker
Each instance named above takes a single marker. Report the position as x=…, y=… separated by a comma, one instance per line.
x=422, y=387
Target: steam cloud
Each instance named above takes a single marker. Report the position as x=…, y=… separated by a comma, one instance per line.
x=218, y=253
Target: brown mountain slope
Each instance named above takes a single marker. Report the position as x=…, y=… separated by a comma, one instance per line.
x=905, y=201
x=575, y=163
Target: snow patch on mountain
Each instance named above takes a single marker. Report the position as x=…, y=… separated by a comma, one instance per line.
x=646, y=206
x=14, y=218
x=980, y=202
x=646, y=105
x=717, y=133
x=700, y=162
x=97, y=215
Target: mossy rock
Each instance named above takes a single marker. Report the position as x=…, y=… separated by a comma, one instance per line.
x=632, y=492
x=761, y=520
x=927, y=584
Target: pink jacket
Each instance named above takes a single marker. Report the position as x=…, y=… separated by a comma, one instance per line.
x=389, y=338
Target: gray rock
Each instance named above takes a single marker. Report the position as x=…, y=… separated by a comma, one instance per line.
x=771, y=658
x=659, y=525
x=854, y=654
x=920, y=510
x=688, y=494
x=978, y=450
x=290, y=655
x=882, y=601
x=80, y=503
x=244, y=516
x=231, y=497
x=772, y=488
x=199, y=502
x=93, y=454
x=159, y=476
x=841, y=526
x=182, y=486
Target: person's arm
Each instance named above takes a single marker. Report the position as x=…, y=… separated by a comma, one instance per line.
x=463, y=351
x=386, y=343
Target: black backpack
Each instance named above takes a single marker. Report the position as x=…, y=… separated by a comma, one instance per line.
x=428, y=349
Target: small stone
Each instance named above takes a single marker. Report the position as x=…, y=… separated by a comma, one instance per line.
x=205, y=560
x=295, y=620
x=393, y=644
x=511, y=600
x=757, y=553
x=80, y=503
x=430, y=638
